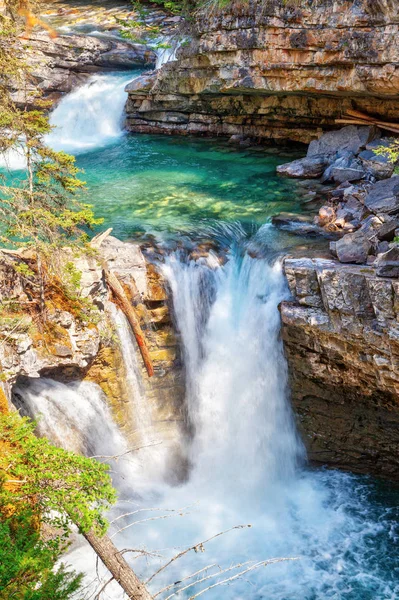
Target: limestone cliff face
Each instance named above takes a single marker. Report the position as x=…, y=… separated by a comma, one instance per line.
x=341, y=336
x=165, y=391
x=64, y=347
x=275, y=70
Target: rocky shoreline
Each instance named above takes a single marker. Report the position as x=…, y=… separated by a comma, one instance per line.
x=340, y=330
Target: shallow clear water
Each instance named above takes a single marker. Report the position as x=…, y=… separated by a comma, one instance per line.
x=154, y=183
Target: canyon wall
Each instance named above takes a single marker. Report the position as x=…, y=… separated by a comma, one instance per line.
x=274, y=70
x=341, y=338
x=68, y=346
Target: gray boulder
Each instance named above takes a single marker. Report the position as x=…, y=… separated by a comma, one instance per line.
x=297, y=224
x=388, y=263
x=350, y=139
x=377, y=165
x=308, y=168
x=386, y=232
x=384, y=196
x=353, y=248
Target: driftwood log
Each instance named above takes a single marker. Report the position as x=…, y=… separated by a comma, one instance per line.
x=356, y=117
x=120, y=295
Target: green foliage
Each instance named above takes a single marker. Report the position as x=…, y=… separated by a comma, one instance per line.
x=27, y=563
x=43, y=207
x=174, y=6
x=78, y=488
x=41, y=485
x=391, y=152
x=23, y=269
x=75, y=276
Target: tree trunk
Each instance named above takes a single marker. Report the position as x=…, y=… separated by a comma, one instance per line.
x=118, y=567
x=129, y=311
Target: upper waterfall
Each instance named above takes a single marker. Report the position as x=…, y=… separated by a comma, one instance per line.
x=91, y=116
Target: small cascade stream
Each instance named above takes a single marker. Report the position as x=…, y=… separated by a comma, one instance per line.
x=90, y=116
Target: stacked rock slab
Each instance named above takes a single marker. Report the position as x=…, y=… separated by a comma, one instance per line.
x=274, y=69
x=341, y=336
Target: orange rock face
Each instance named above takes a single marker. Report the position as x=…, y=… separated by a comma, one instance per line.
x=276, y=70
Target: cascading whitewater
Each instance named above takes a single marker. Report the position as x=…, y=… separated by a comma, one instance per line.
x=152, y=453
x=90, y=116
x=236, y=371
x=245, y=457
x=74, y=416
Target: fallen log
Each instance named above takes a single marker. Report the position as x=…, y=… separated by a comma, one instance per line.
x=118, y=567
x=377, y=123
x=99, y=238
x=119, y=293
x=355, y=117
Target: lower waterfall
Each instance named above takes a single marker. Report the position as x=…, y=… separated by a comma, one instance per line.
x=247, y=461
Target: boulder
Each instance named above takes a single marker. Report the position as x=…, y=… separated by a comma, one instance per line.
x=384, y=196
x=350, y=139
x=308, y=168
x=297, y=224
x=326, y=215
x=386, y=232
x=352, y=209
x=353, y=248
x=345, y=168
x=388, y=263
x=382, y=247
x=125, y=57
x=377, y=165
x=142, y=84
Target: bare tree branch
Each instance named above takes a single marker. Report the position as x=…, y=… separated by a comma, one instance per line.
x=168, y=587
x=197, y=548
x=116, y=456
x=134, y=512
x=98, y=594
x=237, y=575
x=144, y=521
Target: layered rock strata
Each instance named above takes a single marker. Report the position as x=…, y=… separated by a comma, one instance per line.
x=341, y=336
x=59, y=65
x=275, y=70
x=65, y=347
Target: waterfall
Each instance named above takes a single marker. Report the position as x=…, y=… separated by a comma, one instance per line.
x=237, y=382
x=168, y=52
x=247, y=460
x=90, y=116
x=74, y=416
x=153, y=453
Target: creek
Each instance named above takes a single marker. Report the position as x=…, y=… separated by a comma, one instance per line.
x=247, y=463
